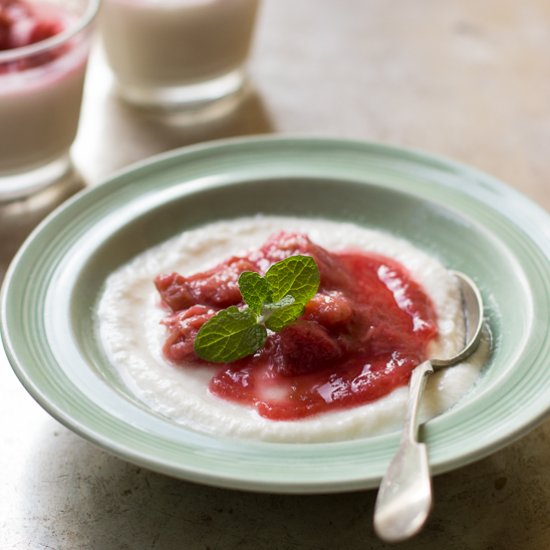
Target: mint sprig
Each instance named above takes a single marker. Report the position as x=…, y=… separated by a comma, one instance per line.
x=272, y=302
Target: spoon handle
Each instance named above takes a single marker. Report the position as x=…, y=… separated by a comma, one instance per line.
x=405, y=495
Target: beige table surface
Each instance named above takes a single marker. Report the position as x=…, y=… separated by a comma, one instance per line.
x=469, y=80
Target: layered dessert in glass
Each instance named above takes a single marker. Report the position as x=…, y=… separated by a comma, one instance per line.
x=44, y=49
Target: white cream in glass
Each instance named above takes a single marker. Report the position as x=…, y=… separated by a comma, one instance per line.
x=43, y=55
x=183, y=54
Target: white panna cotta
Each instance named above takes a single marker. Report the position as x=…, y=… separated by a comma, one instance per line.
x=40, y=90
x=41, y=112
x=129, y=314
x=177, y=51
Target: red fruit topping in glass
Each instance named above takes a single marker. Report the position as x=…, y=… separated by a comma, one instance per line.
x=360, y=337
x=23, y=24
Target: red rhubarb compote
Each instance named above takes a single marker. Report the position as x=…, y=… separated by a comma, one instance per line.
x=360, y=336
x=23, y=24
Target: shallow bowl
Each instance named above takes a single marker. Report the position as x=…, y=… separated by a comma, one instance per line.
x=468, y=220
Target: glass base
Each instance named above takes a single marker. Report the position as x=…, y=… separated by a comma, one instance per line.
x=18, y=185
x=190, y=97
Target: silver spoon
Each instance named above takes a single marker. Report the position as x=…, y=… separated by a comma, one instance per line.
x=405, y=496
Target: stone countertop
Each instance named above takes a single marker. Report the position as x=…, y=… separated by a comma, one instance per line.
x=468, y=80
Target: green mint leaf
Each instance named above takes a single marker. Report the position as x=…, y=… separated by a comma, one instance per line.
x=230, y=335
x=273, y=301
x=297, y=276
x=254, y=289
x=269, y=307
x=278, y=317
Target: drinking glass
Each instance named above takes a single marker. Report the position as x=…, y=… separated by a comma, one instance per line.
x=40, y=95
x=177, y=54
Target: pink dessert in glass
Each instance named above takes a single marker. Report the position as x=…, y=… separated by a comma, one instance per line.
x=22, y=24
x=43, y=52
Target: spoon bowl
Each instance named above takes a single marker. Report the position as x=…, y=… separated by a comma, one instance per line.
x=405, y=496
x=472, y=305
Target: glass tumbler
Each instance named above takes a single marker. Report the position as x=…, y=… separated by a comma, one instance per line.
x=44, y=49
x=177, y=54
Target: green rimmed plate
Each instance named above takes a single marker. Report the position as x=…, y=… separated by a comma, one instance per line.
x=472, y=222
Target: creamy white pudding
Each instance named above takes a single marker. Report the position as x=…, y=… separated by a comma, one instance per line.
x=170, y=52
x=40, y=93
x=129, y=315
x=41, y=111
